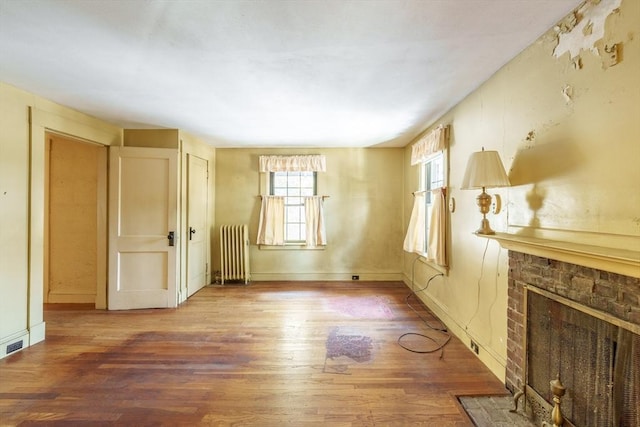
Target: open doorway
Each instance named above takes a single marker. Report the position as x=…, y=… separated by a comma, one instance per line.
x=75, y=221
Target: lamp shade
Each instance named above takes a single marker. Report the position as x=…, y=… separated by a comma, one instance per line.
x=484, y=169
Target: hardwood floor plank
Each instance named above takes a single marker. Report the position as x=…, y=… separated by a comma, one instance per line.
x=267, y=354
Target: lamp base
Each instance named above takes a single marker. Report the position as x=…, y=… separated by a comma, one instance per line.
x=485, y=229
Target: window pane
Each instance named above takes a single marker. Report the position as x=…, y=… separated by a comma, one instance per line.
x=293, y=180
x=279, y=179
x=279, y=192
x=293, y=232
x=437, y=172
x=427, y=176
x=293, y=191
x=432, y=177
x=307, y=192
x=295, y=201
x=307, y=181
x=293, y=214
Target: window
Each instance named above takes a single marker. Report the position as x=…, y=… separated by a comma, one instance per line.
x=294, y=186
x=427, y=231
x=432, y=177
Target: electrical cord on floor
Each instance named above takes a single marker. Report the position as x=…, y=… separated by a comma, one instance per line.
x=441, y=330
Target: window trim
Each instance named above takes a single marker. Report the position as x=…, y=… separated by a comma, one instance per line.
x=291, y=244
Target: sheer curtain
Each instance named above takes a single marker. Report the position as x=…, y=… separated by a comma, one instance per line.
x=414, y=240
x=271, y=225
x=314, y=216
x=437, y=249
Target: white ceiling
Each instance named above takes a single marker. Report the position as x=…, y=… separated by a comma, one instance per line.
x=307, y=73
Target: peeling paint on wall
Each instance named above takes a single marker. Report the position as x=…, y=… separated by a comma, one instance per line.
x=610, y=55
x=583, y=29
x=531, y=136
x=567, y=94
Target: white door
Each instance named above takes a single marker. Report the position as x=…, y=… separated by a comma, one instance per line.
x=142, y=216
x=197, y=224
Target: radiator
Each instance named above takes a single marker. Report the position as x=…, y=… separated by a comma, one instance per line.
x=234, y=253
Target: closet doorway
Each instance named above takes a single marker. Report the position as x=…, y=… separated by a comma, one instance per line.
x=75, y=221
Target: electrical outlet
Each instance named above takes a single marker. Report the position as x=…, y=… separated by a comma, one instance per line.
x=474, y=347
x=355, y=277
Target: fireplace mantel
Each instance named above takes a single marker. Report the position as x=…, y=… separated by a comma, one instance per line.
x=621, y=261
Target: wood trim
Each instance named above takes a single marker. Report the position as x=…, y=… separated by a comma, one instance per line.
x=621, y=261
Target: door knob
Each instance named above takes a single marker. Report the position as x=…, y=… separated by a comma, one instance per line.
x=172, y=238
x=192, y=231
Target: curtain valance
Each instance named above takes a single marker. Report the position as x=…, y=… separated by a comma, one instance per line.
x=432, y=142
x=302, y=163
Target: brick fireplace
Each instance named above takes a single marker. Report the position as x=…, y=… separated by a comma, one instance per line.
x=582, y=323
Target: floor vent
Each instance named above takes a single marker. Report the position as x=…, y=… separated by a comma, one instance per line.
x=14, y=347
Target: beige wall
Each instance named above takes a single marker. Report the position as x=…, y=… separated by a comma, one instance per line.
x=14, y=226
x=573, y=164
x=24, y=119
x=363, y=214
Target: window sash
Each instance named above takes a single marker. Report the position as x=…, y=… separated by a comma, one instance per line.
x=294, y=186
x=433, y=177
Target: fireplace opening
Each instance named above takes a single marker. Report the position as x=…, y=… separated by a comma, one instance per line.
x=596, y=357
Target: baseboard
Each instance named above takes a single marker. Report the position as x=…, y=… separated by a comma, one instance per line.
x=495, y=363
x=37, y=333
x=61, y=298
x=329, y=277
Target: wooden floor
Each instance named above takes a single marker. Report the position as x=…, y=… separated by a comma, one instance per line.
x=267, y=354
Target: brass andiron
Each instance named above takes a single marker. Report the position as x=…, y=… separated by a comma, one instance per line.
x=516, y=397
x=558, y=390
